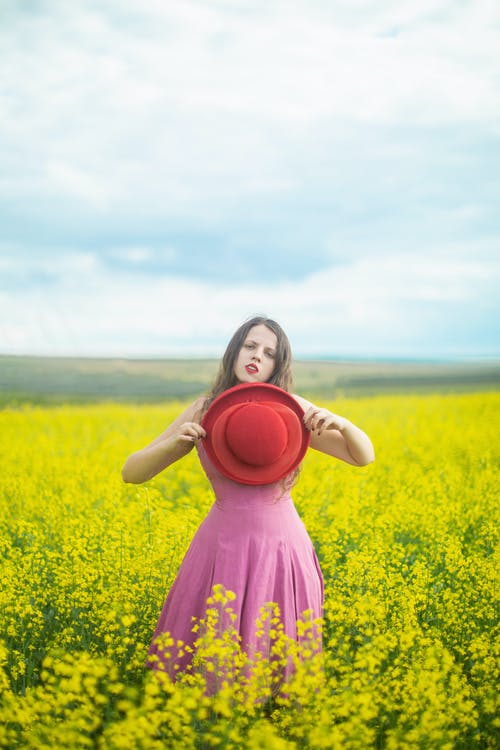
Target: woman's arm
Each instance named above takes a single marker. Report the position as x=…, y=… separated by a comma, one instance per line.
x=177, y=441
x=336, y=436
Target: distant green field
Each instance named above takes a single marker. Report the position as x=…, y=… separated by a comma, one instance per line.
x=70, y=380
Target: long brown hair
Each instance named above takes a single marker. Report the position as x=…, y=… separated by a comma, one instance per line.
x=282, y=373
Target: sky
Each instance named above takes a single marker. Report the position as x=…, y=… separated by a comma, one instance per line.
x=169, y=168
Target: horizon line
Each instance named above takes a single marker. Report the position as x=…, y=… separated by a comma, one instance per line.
x=493, y=359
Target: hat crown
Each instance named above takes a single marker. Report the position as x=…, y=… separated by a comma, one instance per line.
x=256, y=434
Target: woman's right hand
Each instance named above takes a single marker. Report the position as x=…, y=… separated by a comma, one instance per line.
x=189, y=432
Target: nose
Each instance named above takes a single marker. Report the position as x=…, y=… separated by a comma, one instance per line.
x=256, y=355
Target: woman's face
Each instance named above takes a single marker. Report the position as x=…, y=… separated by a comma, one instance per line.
x=256, y=359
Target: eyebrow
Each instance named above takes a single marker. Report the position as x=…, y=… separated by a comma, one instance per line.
x=252, y=341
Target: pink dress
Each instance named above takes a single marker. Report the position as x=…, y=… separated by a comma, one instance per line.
x=254, y=543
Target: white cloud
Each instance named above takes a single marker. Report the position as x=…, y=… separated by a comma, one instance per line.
x=133, y=254
x=370, y=306
x=66, y=267
x=193, y=100
x=74, y=181
x=140, y=254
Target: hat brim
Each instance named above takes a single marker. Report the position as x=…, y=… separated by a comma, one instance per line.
x=225, y=405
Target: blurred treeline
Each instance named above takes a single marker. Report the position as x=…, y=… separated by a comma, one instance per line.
x=51, y=380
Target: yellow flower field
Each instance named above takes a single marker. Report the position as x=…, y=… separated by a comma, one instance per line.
x=408, y=548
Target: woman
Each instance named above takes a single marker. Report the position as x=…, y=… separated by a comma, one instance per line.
x=252, y=541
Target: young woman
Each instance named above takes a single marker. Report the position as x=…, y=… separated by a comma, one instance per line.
x=252, y=541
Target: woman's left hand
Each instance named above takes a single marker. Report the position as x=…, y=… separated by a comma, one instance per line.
x=318, y=420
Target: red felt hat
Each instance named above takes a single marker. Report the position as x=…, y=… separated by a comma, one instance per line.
x=255, y=433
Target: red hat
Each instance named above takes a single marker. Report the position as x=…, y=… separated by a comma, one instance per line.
x=255, y=433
